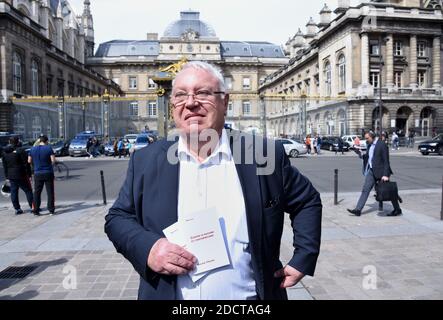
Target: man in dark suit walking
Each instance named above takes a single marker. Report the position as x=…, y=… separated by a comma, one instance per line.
x=171, y=180
x=377, y=169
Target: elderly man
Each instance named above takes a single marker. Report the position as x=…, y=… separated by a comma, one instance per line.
x=208, y=173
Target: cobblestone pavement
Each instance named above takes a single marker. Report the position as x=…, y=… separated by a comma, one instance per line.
x=405, y=252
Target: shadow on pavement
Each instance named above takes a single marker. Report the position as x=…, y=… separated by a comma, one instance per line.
x=78, y=206
x=41, y=266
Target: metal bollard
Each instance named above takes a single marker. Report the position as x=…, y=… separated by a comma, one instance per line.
x=336, y=187
x=103, y=186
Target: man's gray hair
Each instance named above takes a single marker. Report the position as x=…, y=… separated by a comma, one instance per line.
x=200, y=65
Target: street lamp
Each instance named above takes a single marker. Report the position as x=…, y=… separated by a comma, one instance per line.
x=106, y=126
x=84, y=114
x=302, y=115
x=62, y=116
x=263, y=107
x=380, y=82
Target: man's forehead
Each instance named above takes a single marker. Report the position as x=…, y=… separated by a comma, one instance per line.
x=192, y=76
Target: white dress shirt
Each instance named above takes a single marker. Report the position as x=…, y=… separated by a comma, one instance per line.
x=371, y=152
x=214, y=183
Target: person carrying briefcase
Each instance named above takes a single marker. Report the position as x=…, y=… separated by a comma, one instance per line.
x=387, y=191
x=377, y=172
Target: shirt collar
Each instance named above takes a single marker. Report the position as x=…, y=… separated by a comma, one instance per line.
x=222, y=150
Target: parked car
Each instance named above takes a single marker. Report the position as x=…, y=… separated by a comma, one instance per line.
x=349, y=139
x=60, y=148
x=108, y=149
x=293, y=148
x=152, y=133
x=141, y=142
x=130, y=137
x=331, y=143
x=77, y=146
x=432, y=146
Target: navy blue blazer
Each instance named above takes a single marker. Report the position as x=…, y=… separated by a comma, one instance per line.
x=147, y=204
x=381, y=166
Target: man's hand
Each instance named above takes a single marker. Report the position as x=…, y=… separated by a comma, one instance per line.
x=170, y=259
x=385, y=179
x=290, y=275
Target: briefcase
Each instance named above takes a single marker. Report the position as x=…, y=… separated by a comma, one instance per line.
x=386, y=191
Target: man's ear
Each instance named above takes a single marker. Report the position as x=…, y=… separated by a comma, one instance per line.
x=226, y=102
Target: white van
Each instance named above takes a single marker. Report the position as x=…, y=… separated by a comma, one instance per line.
x=350, y=140
x=131, y=138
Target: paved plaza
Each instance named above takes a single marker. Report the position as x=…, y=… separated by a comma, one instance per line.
x=405, y=252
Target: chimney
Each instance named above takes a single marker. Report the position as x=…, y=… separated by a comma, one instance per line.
x=342, y=6
x=311, y=30
x=325, y=17
x=152, y=36
x=299, y=39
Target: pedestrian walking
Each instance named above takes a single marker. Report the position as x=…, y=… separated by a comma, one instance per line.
x=376, y=169
x=115, y=147
x=121, y=148
x=308, y=143
x=94, y=147
x=314, y=145
x=411, y=137
x=42, y=159
x=319, y=141
x=394, y=141
x=89, y=148
x=339, y=146
x=18, y=172
x=356, y=142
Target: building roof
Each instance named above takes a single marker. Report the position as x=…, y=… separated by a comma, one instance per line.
x=189, y=21
x=251, y=49
x=117, y=48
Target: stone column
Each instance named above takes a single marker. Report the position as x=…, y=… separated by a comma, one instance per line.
x=390, y=61
x=436, y=68
x=413, y=62
x=364, y=59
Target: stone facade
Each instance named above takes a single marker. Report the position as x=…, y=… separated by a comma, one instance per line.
x=339, y=71
x=43, y=49
x=132, y=64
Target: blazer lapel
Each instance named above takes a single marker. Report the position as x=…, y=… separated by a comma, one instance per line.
x=250, y=184
x=167, y=187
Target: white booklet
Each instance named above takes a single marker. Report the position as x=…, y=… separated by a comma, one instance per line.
x=201, y=234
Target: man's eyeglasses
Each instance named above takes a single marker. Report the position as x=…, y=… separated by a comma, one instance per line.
x=203, y=95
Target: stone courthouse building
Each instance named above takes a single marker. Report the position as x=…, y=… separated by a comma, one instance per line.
x=341, y=63
x=133, y=64
x=43, y=50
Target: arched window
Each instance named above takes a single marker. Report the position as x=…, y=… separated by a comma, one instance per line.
x=36, y=127
x=19, y=123
x=341, y=115
x=17, y=72
x=35, y=78
x=327, y=78
x=329, y=124
x=342, y=73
